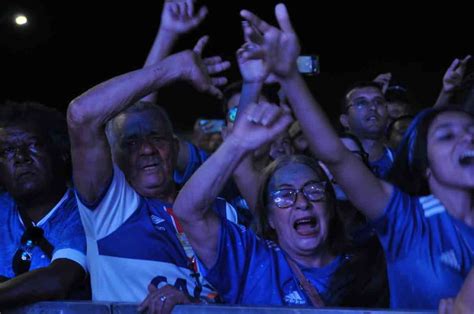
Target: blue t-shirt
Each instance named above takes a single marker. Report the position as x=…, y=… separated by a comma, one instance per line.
x=381, y=166
x=62, y=228
x=428, y=252
x=255, y=272
x=230, y=192
x=132, y=242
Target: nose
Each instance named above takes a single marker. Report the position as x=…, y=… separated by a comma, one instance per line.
x=22, y=155
x=146, y=147
x=301, y=202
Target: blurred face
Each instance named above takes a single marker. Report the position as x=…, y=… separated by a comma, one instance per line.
x=26, y=163
x=398, y=131
x=303, y=227
x=396, y=109
x=281, y=147
x=366, y=113
x=147, y=153
x=451, y=151
x=300, y=143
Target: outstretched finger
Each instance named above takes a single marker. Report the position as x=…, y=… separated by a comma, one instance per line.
x=251, y=34
x=201, y=43
x=283, y=18
x=219, y=67
x=260, y=24
x=453, y=65
x=219, y=81
x=212, y=60
x=214, y=91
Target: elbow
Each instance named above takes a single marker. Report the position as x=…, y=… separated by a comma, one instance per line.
x=77, y=116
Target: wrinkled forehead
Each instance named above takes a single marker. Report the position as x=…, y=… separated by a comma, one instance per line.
x=364, y=92
x=294, y=174
x=139, y=124
x=19, y=132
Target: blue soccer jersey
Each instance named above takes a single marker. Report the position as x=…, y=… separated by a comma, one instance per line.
x=133, y=241
x=382, y=166
x=62, y=228
x=428, y=252
x=257, y=273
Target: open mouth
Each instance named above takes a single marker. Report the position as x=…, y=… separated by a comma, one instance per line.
x=151, y=167
x=306, y=226
x=467, y=158
x=372, y=118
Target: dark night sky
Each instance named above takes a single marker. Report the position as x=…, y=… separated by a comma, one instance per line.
x=70, y=46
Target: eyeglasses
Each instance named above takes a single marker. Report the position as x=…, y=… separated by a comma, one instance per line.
x=363, y=103
x=313, y=191
x=22, y=259
x=232, y=114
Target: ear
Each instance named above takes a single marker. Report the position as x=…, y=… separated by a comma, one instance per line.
x=344, y=120
x=428, y=173
x=270, y=221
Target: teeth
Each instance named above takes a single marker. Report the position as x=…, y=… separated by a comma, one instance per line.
x=468, y=154
x=467, y=157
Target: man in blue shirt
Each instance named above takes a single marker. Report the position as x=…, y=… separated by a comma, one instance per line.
x=42, y=239
x=364, y=113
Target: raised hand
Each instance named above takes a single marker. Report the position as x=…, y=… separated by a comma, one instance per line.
x=162, y=300
x=179, y=16
x=277, y=47
x=384, y=80
x=454, y=75
x=200, y=72
x=259, y=124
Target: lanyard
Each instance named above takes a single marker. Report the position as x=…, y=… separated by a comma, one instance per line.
x=188, y=249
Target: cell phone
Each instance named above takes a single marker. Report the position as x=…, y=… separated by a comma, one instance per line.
x=308, y=64
x=212, y=125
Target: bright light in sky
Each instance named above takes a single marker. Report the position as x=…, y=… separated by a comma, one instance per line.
x=20, y=19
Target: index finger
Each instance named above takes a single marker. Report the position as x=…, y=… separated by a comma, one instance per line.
x=283, y=18
x=260, y=24
x=199, y=47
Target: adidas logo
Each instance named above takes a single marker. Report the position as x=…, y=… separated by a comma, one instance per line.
x=449, y=259
x=156, y=220
x=294, y=298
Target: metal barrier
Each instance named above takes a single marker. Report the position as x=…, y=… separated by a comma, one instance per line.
x=131, y=308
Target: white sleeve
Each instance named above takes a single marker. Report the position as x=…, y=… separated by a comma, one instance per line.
x=71, y=254
x=117, y=204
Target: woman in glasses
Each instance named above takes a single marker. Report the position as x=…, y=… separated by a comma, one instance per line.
x=424, y=215
x=297, y=257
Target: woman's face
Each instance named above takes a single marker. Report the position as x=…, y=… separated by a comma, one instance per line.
x=302, y=228
x=451, y=151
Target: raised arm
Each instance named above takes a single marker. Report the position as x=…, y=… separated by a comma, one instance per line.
x=178, y=17
x=89, y=113
x=258, y=125
x=280, y=49
x=452, y=79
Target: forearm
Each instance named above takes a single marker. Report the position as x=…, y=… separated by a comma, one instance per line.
x=104, y=101
x=250, y=94
x=204, y=186
x=444, y=99
x=37, y=285
x=162, y=47
x=247, y=179
x=322, y=137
